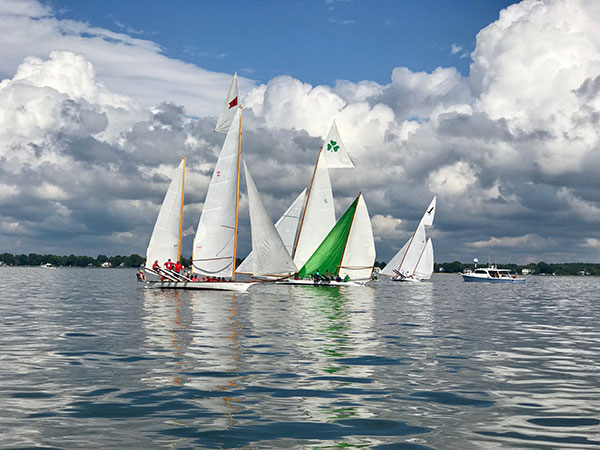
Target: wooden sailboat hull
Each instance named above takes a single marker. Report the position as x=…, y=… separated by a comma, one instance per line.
x=236, y=286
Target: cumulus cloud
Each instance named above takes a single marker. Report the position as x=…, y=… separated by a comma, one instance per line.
x=90, y=133
x=516, y=241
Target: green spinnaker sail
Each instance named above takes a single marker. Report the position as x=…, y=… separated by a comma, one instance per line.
x=328, y=256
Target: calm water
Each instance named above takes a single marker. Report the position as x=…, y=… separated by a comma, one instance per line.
x=88, y=359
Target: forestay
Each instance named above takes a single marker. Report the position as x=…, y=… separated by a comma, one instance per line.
x=165, y=240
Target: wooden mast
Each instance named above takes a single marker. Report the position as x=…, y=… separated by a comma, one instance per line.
x=181, y=212
x=306, y=203
x=237, y=197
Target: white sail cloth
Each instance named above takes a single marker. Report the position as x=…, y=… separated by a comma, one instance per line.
x=286, y=226
x=335, y=152
x=319, y=214
x=424, y=267
x=164, y=241
x=213, y=249
x=415, y=259
x=359, y=255
x=270, y=256
x=230, y=107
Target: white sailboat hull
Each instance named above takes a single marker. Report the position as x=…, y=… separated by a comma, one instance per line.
x=302, y=282
x=408, y=280
x=236, y=286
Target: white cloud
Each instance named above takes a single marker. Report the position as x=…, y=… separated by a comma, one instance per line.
x=385, y=226
x=452, y=180
x=591, y=242
x=517, y=241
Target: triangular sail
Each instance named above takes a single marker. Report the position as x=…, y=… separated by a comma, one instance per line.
x=405, y=261
x=328, y=256
x=165, y=240
x=424, y=267
x=335, y=152
x=319, y=214
x=270, y=257
x=394, y=263
x=427, y=218
x=359, y=256
x=230, y=107
x=286, y=226
x=213, y=250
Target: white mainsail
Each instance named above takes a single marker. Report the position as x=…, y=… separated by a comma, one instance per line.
x=165, y=241
x=214, y=244
x=270, y=256
x=335, y=152
x=319, y=214
x=286, y=226
x=359, y=255
x=405, y=262
x=424, y=267
x=230, y=107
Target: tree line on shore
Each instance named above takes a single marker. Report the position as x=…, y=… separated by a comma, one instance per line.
x=134, y=260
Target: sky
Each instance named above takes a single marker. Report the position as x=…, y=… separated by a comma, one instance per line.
x=492, y=106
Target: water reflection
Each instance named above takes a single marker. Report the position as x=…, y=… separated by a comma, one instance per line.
x=317, y=341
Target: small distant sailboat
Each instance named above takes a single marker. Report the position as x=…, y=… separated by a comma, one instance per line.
x=414, y=261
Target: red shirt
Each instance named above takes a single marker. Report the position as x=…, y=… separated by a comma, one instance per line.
x=169, y=265
x=178, y=267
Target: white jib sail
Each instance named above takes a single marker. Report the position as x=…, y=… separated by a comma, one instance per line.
x=229, y=107
x=394, y=263
x=359, y=255
x=286, y=226
x=336, y=155
x=319, y=214
x=424, y=267
x=214, y=241
x=270, y=257
x=164, y=242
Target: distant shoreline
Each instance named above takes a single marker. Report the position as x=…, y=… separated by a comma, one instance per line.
x=137, y=261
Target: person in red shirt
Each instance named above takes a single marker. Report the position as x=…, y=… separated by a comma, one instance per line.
x=178, y=267
x=169, y=265
x=155, y=266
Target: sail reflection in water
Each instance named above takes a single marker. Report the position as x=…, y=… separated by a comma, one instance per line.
x=319, y=342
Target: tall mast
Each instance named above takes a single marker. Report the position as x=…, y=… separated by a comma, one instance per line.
x=306, y=203
x=237, y=197
x=181, y=211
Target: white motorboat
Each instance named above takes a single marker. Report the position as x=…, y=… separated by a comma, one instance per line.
x=492, y=274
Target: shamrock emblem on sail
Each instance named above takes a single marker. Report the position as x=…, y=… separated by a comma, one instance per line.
x=332, y=146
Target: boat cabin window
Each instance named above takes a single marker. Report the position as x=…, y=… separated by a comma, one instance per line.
x=480, y=271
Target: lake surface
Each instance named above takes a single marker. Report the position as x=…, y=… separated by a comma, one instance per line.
x=90, y=359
